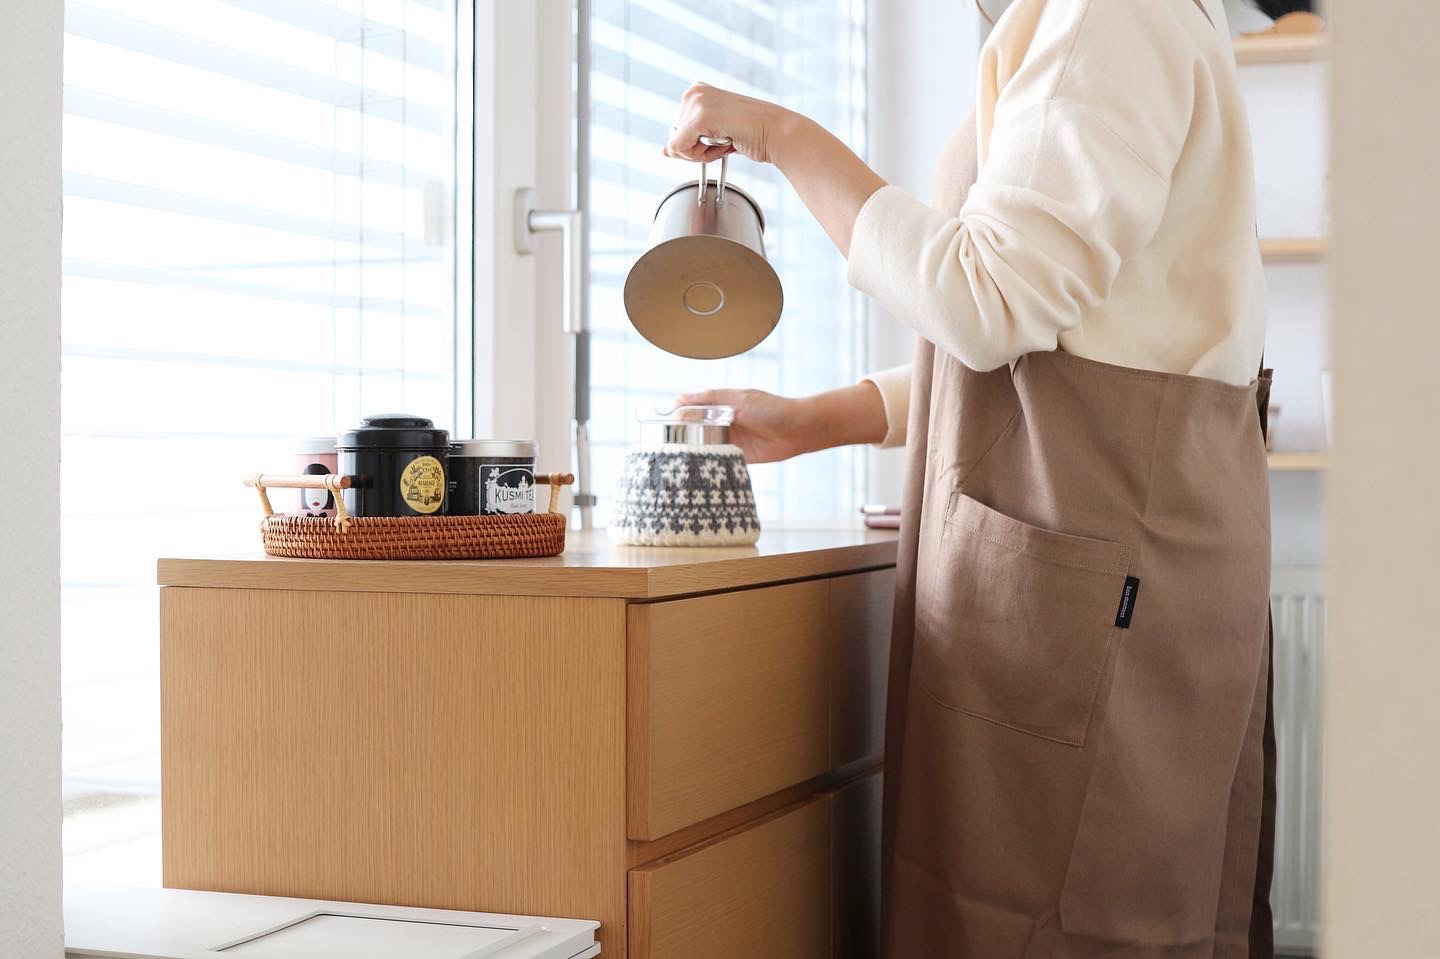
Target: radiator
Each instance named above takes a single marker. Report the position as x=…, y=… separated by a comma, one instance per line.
x=1297, y=596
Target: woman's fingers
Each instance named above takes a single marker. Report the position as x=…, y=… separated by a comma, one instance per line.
x=710, y=398
x=717, y=151
x=710, y=112
x=682, y=148
x=685, y=145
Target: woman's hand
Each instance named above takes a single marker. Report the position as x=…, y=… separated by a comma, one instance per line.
x=769, y=428
x=831, y=180
x=754, y=126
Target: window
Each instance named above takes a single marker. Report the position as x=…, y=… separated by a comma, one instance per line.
x=806, y=54
x=259, y=244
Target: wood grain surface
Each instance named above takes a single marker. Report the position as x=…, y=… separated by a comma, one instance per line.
x=728, y=702
x=763, y=892
x=591, y=566
x=737, y=696
x=418, y=745
x=460, y=752
x=644, y=852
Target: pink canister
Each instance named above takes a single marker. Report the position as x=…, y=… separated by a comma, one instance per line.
x=316, y=454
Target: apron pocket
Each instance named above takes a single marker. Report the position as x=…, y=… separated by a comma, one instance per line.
x=1014, y=623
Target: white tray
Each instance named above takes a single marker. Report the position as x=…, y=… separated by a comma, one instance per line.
x=126, y=923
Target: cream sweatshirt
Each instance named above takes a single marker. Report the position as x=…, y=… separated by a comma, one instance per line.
x=1114, y=212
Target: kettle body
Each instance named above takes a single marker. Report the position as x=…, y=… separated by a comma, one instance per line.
x=704, y=288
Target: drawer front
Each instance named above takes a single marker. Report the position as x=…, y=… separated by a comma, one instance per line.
x=764, y=891
x=737, y=696
x=728, y=702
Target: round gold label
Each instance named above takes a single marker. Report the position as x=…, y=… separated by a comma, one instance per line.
x=422, y=483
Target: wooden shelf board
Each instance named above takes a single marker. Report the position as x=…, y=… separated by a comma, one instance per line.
x=590, y=566
x=1300, y=249
x=1299, y=462
x=1280, y=48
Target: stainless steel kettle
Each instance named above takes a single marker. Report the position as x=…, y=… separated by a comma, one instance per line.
x=704, y=288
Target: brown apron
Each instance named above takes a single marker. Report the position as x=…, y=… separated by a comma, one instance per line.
x=1079, y=695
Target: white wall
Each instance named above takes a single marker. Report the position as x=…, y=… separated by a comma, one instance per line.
x=30, y=883
x=504, y=161
x=1382, y=708
x=922, y=71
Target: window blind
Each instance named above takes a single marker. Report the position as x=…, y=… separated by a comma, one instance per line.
x=808, y=55
x=258, y=245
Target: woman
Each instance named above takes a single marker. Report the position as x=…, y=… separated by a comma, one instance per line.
x=1077, y=744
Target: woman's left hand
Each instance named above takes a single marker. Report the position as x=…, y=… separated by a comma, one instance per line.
x=756, y=128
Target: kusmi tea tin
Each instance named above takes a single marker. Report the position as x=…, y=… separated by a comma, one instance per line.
x=399, y=465
x=492, y=477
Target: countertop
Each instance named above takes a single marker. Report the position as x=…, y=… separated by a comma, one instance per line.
x=590, y=566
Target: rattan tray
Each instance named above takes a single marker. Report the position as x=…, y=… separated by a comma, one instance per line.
x=406, y=537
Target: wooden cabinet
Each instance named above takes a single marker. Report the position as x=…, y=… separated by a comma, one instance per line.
x=797, y=884
x=682, y=744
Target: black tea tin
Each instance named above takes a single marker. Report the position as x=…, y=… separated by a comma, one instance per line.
x=399, y=466
x=490, y=477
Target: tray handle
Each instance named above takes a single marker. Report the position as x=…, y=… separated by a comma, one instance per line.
x=331, y=481
x=555, y=481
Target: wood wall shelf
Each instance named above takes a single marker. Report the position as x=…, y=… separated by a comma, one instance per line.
x=1299, y=462
x=1280, y=48
x=1302, y=249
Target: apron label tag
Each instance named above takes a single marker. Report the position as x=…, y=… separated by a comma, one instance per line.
x=1127, y=602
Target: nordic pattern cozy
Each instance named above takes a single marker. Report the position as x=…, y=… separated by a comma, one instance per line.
x=675, y=495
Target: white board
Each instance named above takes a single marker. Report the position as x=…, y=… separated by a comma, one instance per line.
x=131, y=923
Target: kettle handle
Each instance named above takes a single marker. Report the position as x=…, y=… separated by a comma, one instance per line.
x=724, y=169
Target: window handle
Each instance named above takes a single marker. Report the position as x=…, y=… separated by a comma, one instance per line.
x=570, y=224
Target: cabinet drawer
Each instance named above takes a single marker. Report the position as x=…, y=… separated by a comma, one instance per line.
x=728, y=702
x=737, y=696
x=802, y=884
x=764, y=891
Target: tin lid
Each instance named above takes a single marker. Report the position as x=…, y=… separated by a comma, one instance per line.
x=686, y=425
x=313, y=445
x=715, y=415
x=512, y=449
x=395, y=431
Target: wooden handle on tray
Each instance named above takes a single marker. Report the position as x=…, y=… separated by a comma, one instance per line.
x=330, y=481
x=307, y=481
x=555, y=481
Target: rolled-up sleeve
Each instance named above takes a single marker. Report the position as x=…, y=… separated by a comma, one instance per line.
x=1061, y=202
x=894, y=387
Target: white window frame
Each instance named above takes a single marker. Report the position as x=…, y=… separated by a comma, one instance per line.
x=525, y=117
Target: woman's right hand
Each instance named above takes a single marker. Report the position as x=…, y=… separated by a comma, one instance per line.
x=769, y=428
